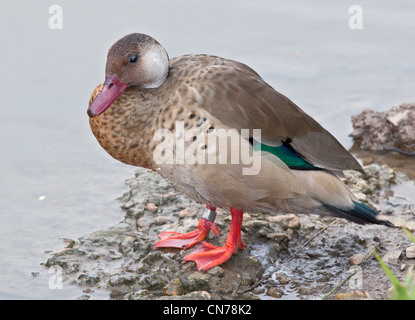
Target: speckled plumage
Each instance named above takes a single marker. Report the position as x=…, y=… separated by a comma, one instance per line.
x=207, y=93
x=228, y=95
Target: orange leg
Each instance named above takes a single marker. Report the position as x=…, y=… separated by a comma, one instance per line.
x=207, y=255
x=173, y=239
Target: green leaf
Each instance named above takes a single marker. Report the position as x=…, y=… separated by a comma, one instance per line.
x=409, y=234
x=400, y=292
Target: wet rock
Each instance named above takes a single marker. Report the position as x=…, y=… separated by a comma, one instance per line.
x=196, y=282
x=88, y=280
x=274, y=292
x=305, y=290
x=392, y=130
x=137, y=295
x=173, y=288
x=121, y=258
x=282, y=278
x=216, y=271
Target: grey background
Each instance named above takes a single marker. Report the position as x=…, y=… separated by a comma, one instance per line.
x=304, y=49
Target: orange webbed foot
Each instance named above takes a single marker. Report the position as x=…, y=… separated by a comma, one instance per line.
x=207, y=255
x=171, y=239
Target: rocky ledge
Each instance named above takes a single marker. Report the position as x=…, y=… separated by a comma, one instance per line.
x=286, y=256
x=391, y=130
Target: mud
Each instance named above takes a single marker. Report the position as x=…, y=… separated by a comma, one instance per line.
x=286, y=256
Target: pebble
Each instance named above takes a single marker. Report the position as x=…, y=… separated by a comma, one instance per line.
x=278, y=236
x=392, y=256
x=195, y=295
x=286, y=220
x=142, y=224
x=151, y=206
x=282, y=278
x=160, y=220
x=173, y=288
x=274, y=292
x=305, y=290
x=188, y=212
x=357, y=259
x=410, y=252
x=410, y=225
x=216, y=271
x=353, y=295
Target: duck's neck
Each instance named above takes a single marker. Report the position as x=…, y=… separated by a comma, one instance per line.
x=125, y=130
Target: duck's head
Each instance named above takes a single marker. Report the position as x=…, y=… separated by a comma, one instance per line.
x=134, y=60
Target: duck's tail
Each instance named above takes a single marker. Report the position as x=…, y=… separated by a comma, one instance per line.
x=359, y=213
x=335, y=199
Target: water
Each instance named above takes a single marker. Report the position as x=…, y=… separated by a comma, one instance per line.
x=56, y=181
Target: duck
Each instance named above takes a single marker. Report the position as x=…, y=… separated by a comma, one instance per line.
x=215, y=130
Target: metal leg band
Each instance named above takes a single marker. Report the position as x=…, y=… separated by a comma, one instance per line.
x=209, y=214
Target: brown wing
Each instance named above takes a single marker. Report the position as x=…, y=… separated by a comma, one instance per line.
x=241, y=99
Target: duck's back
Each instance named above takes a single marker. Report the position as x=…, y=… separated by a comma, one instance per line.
x=236, y=95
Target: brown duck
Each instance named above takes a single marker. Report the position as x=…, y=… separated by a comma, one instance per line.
x=221, y=135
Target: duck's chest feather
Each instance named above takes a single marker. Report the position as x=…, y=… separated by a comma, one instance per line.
x=125, y=130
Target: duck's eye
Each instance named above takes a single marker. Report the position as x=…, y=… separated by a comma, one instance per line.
x=134, y=58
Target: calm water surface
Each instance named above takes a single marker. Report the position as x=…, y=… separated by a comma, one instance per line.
x=56, y=181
